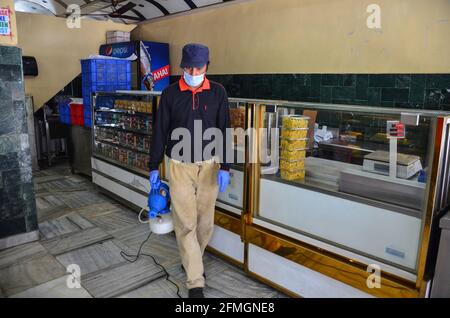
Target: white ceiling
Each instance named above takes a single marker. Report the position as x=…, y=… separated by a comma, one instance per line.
x=144, y=9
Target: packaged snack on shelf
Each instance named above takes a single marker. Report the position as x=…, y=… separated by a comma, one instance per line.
x=287, y=164
x=104, y=150
x=115, y=153
x=293, y=144
x=123, y=105
x=147, y=143
x=141, y=123
x=98, y=148
x=135, y=141
x=292, y=174
x=122, y=137
x=115, y=137
x=237, y=117
x=130, y=139
x=123, y=156
x=139, y=160
x=129, y=122
x=146, y=162
x=295, y=121
x=294, y=133
x=148, y=107
x=293, y=154
x=143, y=107
x=140, y=142
x=98, y=133
x=142, y=161
x=138, y=123
x=132, y=158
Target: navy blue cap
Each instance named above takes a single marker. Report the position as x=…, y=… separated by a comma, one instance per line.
x=194, y=55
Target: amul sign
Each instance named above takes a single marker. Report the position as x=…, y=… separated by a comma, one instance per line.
x=5, y=22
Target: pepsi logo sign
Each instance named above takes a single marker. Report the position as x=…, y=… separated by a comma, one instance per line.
x=108, y=50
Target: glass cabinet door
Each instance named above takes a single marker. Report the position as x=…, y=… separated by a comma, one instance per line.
x=233, y=197
x=122, y=130
x=347, y=177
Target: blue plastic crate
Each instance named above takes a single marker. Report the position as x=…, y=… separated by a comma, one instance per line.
x=94, y=71
x=64, y=107
x=87, y=101
x=64, y=111
x=87, y=113
x=105, y=72
x=65, y=119
x=104, y=75
x=88, y=122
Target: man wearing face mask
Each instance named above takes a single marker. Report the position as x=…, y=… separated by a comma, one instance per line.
x=195, y=177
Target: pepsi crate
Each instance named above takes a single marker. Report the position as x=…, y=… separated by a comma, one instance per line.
x=87, y=113
x=64, y=111
x=105, y=72
x=93, y=71
x=65, y=119
x=124, y=74
x=88, y=122
x=87, y=101
x=104, y=75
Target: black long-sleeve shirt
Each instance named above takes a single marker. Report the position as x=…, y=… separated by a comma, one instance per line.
x=179, y=107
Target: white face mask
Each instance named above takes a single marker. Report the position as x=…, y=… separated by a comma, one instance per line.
x=193, y=80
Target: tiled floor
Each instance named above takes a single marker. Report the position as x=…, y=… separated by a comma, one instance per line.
x=79, y=225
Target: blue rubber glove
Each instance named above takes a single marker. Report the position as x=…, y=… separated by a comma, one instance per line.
x=155, y=182
x=223, y=179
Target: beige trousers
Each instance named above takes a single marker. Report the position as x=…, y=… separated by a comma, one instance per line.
x=193, y=192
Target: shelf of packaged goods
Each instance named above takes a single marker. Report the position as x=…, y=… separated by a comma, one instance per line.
x=132, y=169
x=123, y=111
x=113, y=143
x=118, y=127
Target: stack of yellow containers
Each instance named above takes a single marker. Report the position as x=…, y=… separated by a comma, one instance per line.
x=293, y=146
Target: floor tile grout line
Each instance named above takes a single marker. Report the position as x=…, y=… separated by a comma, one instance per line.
x=78, y=248
x=69, y=210
x=142, y=285
x=25, y=260
x=65, y=275
x=73, y=222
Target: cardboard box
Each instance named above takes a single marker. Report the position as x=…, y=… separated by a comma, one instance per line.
x=117, y=37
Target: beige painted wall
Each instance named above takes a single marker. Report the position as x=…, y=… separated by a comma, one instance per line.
x=313, y=36
x=58, y=50
x=9, y=40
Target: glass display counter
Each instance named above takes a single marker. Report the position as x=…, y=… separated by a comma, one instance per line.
x=232, y=199
x=356, y=182
x=121, y=134
x=320, y=197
